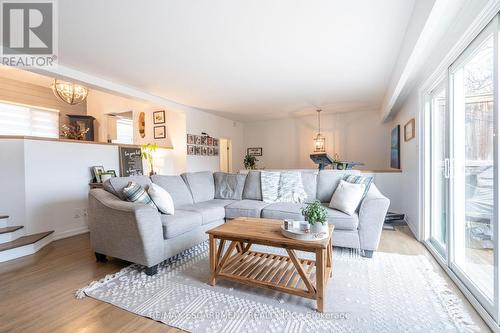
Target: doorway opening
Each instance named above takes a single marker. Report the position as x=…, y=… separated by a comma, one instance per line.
x=225, y=155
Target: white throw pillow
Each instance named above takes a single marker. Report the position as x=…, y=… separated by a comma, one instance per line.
x=347, y=197
x=162, y=199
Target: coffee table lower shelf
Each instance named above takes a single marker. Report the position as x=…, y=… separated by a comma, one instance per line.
x=288, y=274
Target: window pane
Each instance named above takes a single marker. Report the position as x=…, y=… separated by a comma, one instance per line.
x=124, y=131
x=439, y=190
x=22, y=120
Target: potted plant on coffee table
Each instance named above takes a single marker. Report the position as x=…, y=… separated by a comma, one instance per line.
x=315, y=214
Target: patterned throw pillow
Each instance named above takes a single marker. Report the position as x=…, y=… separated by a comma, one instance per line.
x=291, y=188
x=134, y=192
x=270, y=182
x=356, y=179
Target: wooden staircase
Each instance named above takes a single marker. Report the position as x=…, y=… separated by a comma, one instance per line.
x=15, y=244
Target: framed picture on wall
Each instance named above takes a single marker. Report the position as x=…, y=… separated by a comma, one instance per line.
x=216, y=151
x=197, y=150
x=197, y=139
x=190, y=139
x=395, y=148
x=254, y=151
x=216, y=142
x=204, y=140
x=210, y=141
x=190, y=150
x=410, y=130
x=159, y=117
x=204, y=151
x=160, y=132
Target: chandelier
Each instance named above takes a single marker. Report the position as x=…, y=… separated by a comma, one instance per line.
x=68, y=92
x=319, y=140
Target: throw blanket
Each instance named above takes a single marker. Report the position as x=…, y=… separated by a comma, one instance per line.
x=284, y=186
x=269, y=182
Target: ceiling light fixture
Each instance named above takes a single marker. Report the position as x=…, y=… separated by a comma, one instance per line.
x=68, y=92
x=319, y=140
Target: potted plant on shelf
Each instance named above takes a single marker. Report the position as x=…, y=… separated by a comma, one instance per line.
x=315, y=214
x=147, y=152
x=250, y=162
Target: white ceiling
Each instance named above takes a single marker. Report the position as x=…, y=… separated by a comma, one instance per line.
x=247, y=60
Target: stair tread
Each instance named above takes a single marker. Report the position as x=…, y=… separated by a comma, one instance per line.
x=4, y=217
x=25, y=240
x=10, y=229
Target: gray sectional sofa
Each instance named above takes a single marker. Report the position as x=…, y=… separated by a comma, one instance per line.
x=140, y=234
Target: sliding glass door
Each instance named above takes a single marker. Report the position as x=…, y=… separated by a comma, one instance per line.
x=474, y=166
x=461, y=123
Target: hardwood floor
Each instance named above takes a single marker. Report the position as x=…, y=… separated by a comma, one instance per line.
x=37, y=292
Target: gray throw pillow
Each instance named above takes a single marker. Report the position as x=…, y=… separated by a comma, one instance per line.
x=229, y=185
x=134, y=192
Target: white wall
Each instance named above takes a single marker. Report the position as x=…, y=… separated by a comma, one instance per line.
x=56, y=181
x=355, y=136
x=12, y=179
x=407, y=200
x=100, y=104
x=47, y=182
x=217, y=127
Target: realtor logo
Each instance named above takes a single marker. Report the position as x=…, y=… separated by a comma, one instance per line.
x=28, y=33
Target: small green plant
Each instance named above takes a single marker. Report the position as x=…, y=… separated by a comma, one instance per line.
x=250, y=162
x=147, y=153
x=314, y=213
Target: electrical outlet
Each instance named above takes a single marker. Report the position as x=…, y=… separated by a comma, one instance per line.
x=84, y=212
x=77, y=213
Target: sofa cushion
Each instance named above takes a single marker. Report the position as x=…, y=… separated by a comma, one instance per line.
x=292, y=211
x=328, y=181
x=211, y=210
x=310, y=183
x=229, y=185
x=179, y=223
x=284, y=210
x=115, y=185
x=201, y=184
x=252, y=189
x=176, y=187
x=340, y=220
x=245, y=208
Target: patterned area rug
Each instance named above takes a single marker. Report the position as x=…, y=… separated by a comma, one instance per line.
x=389, y=293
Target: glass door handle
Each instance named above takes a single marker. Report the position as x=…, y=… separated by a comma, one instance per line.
x=447, y=168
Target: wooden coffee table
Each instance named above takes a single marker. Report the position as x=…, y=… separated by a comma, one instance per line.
x=288, y=274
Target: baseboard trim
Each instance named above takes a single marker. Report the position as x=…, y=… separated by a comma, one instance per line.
x=70, y=233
